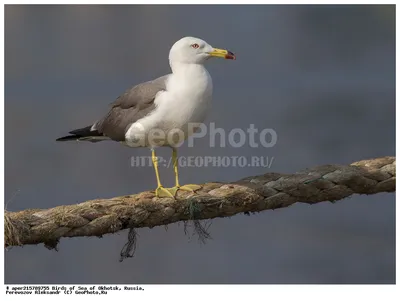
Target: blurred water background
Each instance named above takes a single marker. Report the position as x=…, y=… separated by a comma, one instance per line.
x=323, y=77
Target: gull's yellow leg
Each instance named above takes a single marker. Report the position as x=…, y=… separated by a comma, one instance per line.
x=175, y=162
x=160, y=191
x=188, y=187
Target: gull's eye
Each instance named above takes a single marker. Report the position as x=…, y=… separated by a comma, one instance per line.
x=195, y=46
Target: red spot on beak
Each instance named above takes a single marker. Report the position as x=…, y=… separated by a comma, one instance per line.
x=230, y=56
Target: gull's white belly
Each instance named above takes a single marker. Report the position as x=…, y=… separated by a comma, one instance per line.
x=183, y=115
x=179, y=109
x=169, y=125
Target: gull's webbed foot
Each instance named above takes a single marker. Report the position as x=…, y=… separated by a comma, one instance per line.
x=162, y=192
x=188, y=187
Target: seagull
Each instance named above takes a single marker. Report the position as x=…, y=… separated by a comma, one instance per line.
x=161, y=112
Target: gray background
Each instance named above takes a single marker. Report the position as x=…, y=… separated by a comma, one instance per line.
x=322, y=77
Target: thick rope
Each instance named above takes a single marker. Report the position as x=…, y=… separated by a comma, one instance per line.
x=252, y=194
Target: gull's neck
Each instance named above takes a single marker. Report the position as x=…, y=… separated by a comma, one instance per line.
x=190, y=79
x=187, y=69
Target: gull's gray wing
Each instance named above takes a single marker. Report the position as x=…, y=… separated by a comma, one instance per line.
x=128, y=108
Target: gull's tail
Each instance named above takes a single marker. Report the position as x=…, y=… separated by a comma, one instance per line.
x=84, y=134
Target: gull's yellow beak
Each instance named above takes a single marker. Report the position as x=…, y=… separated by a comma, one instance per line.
x=222, y=53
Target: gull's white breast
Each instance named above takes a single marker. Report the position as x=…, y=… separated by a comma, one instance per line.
x=185, y=102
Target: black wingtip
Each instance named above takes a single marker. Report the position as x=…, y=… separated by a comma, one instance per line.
x=79, y=133
x=68, y=138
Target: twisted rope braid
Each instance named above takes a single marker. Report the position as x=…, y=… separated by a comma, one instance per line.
x=252, y=194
